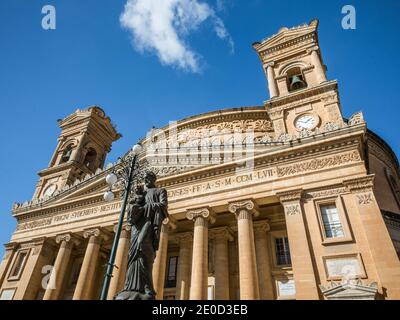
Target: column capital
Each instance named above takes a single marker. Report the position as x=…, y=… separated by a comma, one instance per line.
x=97, y=233
x=360, y=184
x=261, y=226
x=205, y=213
x=314, y=48
x=221, y=233
x=270, y=64
x=68, y=238
x=290, y=196
x=183, y=238
x=11, y=246
x=125, y=227
x=247, y=205
x=169, y=224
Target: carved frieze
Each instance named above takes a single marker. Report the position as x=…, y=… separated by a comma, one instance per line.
x=318, y=163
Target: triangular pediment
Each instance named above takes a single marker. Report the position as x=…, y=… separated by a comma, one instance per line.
x=350, y=291
x=285, y=35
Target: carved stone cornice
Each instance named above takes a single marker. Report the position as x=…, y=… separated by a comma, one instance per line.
x=205, y=214
x=244, y=209
x=360, y=184
x=261, y=226
x=221, y=233
x=290, y=196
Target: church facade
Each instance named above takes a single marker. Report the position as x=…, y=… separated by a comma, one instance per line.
x=286, y=200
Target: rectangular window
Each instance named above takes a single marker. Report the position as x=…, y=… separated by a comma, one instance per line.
x=18, y=265
x=331, y=221
x=282, y=251
x=172, y=271
x=7, y=294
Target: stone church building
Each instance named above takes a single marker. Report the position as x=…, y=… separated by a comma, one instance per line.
x=285, y=200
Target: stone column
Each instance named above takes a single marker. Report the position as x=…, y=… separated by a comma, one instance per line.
x=58, y=274
x=316, y=62
x=263, y=260
x=121, y=262
x=221, y=237
x=273, y=89
x=160, y=263
x=10, y=249
x=199, y=281
x=384, y=256
x=302, y=265
x=84, y=285
x=185, y=242
x=248, y=278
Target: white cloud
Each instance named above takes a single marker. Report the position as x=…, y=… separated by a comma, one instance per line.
x=162, y=27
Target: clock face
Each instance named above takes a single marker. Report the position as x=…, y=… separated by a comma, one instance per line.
x=50, y=190
x=306, y=121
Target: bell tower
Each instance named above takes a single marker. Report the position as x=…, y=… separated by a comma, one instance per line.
x=301, y=96
x=85, y=139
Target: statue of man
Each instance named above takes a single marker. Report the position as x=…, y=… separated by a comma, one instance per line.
x=145, y=213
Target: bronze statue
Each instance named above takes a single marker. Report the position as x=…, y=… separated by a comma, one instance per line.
x=145, y=213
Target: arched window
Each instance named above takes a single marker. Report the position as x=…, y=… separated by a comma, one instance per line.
x=90, y=159
x=66, y=154
x=295, y=79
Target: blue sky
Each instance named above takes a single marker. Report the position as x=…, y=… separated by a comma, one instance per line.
x=89, y=59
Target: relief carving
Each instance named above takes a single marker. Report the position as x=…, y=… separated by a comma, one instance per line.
x=319, y=163
x=365, y=198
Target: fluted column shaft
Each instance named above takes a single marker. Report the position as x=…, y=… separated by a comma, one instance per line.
x=263, y=260
x=121, y=263
x=199, y=280
x=185, y=241
x=58, y=273
x=221, y=237
x=84, y=285
x=160, y=262
x=248, y=277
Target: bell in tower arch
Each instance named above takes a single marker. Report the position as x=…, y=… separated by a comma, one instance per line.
x=297, y=83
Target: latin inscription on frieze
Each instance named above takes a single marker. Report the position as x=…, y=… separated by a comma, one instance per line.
x=70, y=216
x=224, y=183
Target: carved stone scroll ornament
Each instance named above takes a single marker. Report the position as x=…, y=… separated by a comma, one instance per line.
x=244, y=209
x=261, y=226
x=68, y=238
x=201, y=215
x=221, y=233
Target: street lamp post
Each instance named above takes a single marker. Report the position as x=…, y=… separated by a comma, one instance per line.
x=111, y=179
